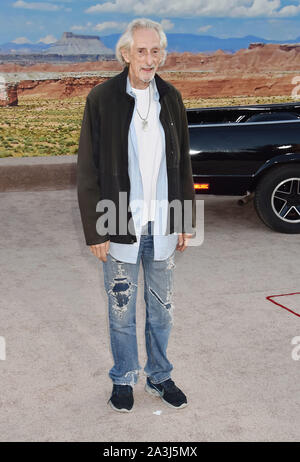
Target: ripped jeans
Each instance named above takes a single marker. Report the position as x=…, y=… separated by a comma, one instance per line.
x=121, y=283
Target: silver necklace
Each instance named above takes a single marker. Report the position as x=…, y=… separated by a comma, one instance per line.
x=144, y=120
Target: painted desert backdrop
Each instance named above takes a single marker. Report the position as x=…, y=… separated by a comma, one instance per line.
x=42, y=102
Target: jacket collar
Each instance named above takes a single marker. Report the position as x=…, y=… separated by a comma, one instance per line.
x=161, y=85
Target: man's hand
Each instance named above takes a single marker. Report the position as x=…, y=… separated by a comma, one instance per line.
x=183, y=241
x=100, y=250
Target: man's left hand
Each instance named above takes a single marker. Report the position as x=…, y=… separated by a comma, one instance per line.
x=183, y=241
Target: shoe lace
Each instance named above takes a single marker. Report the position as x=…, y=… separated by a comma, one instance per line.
x=170, y=386
x=122, y=389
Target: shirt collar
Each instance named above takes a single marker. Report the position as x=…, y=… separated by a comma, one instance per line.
x=130, y=91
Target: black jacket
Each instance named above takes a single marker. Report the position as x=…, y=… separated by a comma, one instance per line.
x=102, y=163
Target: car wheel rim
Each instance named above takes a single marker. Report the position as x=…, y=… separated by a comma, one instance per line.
x=286, y=200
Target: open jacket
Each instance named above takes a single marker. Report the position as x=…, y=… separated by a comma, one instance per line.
x=102, y=164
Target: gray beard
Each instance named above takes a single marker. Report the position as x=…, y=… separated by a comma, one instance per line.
x=147, y=80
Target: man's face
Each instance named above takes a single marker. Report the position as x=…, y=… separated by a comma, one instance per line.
x=143, y=57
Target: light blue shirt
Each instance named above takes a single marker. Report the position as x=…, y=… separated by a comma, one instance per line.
x=164, y=245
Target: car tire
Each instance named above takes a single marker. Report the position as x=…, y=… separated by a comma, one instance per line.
x=277, y=199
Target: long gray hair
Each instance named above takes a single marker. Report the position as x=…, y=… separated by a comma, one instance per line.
x=126, y=40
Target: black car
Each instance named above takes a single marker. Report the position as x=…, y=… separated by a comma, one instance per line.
x=250, y=150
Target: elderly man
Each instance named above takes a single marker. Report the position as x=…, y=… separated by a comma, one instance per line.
x=134, y=147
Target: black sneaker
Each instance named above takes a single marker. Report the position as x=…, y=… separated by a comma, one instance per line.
x=121, y=398
x=168, y=392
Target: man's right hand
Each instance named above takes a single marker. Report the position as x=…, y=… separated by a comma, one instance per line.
x=100, y=250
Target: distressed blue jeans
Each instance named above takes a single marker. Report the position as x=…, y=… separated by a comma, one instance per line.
x=121, y=283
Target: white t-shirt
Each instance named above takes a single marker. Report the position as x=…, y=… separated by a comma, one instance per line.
x=149, y=147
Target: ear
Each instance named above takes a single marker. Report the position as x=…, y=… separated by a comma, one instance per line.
x=125, y=54
x=162, y=58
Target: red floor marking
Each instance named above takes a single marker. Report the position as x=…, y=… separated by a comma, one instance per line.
x=282, y=306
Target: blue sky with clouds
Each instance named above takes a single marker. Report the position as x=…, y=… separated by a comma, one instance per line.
x=23, y=21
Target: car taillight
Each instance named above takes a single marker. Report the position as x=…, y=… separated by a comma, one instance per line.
x=201, y=185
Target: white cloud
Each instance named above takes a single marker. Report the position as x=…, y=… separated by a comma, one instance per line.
x=77, y=28
x=269, y=8
x=166, y=24
x=39, y=6
x=289, y=10
x=36, y=6
x=190, y=8
x=204, y=28
x=110, y=25
x=48, y=39
x=21, y=40
x=116, y=26
x=87, y=26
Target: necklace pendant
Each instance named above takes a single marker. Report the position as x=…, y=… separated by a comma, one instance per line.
x=145, y=124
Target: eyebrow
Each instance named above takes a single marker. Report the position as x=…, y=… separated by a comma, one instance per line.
x=144, y=48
